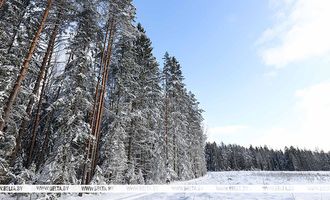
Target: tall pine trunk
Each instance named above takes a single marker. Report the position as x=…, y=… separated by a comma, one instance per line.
x=92, y=118
x=42, y=93
x=102, y=95
x=41, y=76
x=101, y=100
x=92, y=147
x=35, y=92
x=24, y=69
x=166, y=127
x=2, y=2
x=50, y=116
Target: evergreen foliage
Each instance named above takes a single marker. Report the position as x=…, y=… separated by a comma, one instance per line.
x=93, y=105
x=234, y=157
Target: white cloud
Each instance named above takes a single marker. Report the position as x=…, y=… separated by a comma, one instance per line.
x=310, y=125
x=301, y=32
x=314, y=107
x=305, y=125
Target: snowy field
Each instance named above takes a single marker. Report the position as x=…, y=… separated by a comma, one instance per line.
x=230, y=178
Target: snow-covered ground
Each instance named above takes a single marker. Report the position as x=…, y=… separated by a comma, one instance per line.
x=231, y=178
x=261, y=178
x=237, y=178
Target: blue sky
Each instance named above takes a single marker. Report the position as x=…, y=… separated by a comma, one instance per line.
x=260, y=68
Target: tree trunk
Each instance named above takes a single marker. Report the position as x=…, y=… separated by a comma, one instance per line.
x=35, y=92
x=101, y=103
x=86, y=174
x=174, y=154
x=47, y=128
x=50, y=116
x=37, y=115
x=2, y=2
x=166, y=125
x=98, y=104
x=130, y=142
x=42, y=76
x=24, y=69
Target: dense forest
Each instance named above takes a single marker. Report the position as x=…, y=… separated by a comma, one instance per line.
x=84, y=101
x=234, y=157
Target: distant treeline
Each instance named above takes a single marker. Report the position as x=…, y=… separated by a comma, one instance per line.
x=234, y=157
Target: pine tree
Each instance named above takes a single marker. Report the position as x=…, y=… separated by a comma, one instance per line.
x=263, y=158
x=25, y=66
x=87, y=106
x=7, y=139
x=76, y=97
x=121, y=14
x=36, y=89
x=119, y=131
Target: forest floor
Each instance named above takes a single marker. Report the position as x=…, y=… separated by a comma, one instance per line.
x=231, y=178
